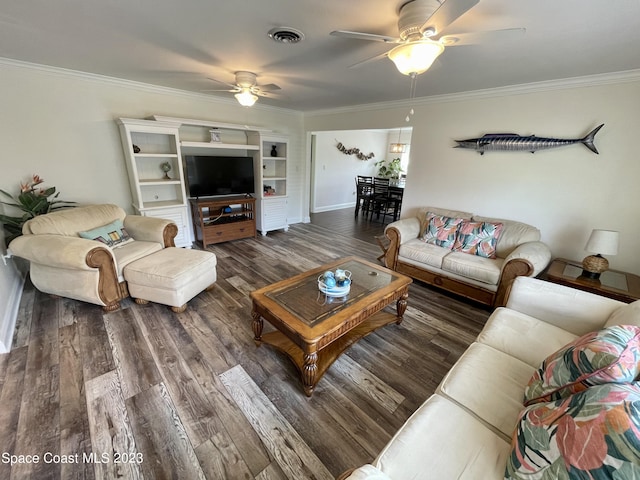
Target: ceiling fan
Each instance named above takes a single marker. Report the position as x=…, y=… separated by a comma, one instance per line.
x=246, y=88
x=421, y=24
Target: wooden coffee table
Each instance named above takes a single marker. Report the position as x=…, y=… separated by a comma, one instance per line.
x=312, y=328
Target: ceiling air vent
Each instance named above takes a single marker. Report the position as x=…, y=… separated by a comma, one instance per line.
x=286, y=35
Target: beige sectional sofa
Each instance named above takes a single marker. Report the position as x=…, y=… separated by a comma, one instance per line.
x=519, y=251
x=464, y=430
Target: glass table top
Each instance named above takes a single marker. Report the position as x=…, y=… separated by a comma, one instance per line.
x=607, y=278
x=304, y=300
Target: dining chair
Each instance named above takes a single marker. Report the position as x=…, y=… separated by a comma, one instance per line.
x=380, y=196
x=364, y=192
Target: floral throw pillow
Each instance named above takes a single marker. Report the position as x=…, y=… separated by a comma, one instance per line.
x=113, y=234
x=610, y=355
x=441, y=230
x=478, y=238
x=594, y=434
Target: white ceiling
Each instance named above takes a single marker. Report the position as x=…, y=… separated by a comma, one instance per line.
x=179, y=43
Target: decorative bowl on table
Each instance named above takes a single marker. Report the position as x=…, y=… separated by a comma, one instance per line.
x=335, y=284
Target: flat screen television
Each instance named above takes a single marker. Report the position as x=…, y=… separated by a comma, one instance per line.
x=209, y=176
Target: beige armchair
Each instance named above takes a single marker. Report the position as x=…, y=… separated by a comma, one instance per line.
x=64, y=263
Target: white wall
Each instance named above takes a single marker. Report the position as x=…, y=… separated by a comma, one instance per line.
x=333, y=184
x=565, y=192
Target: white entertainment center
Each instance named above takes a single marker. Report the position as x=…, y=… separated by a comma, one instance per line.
x=151, y=144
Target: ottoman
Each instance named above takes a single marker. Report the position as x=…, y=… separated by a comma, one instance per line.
x=171, y=276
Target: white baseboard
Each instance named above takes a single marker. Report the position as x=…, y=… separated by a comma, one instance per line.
x=329, y=208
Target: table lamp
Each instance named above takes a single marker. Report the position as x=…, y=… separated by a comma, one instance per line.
x=600, y=242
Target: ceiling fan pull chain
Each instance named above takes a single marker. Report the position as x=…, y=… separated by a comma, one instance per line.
x=412, y=95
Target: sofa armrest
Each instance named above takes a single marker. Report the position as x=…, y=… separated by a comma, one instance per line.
x=573, y=310
x=536, y=253
x=397, y=233
x=528, y=259
x=151, y=229
x=58, y=251
x=63, y=255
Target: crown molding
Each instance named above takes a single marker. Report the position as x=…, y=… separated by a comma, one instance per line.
x=132, y=84
x=628, y=76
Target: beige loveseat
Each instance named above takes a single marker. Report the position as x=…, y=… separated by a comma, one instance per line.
x=466, y=430
x=62, y=263
x=519, y=251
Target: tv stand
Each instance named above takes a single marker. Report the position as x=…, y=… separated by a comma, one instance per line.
x=212, y=224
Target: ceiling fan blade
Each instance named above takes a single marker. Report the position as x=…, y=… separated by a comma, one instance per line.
x=372, y=59
x=267, y=94
x=235, y=90
x=269, y=87
x=232, y=85
x=365, y=36
x=445, y=15
x=473, y=38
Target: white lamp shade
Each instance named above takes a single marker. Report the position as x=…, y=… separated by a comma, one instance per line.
x=415, y=57
x=246, y=98
x=603, y=242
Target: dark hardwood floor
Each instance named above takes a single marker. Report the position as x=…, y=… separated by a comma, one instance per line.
x=147, y=393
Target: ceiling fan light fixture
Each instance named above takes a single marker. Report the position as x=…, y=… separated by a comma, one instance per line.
x=246, y=98
x=415, y=57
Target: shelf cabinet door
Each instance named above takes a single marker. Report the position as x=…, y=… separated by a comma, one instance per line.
x=180, y=217
x=273, y=215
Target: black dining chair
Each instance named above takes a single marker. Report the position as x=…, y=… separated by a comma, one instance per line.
x=364, y=193
x=386, y=200
x=380, y=195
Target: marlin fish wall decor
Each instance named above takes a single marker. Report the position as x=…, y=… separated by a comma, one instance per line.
x=511, y=142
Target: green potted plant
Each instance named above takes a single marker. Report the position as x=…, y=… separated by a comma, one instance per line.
x=31, y=201
x=389, y=169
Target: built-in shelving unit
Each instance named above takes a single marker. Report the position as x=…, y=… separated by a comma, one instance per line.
x=271, y=177
x=173, y=137
x=148, y=146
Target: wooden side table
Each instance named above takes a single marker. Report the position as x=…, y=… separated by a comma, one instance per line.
x=615, y=284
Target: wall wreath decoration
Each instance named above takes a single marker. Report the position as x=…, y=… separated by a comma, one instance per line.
x=354, y=151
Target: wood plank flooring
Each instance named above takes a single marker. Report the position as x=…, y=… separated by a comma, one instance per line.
x=143, y=392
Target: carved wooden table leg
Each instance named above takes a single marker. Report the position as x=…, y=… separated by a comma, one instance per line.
x=401, y=306
x=257, y=327
x=309, y=372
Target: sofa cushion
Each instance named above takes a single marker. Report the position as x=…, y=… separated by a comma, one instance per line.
x=446, y=441
x=426, y=253
x=611, y=355
x=133, y=251
x=625, y=315
x=472, y=266
x=70, y=221
x=478, y=238
x=441, y=230
x=513, y=234
x=422, y=216
x=368, y=472
x=113, y=234
x=488, y=383
x=593, y=434
x=522, y=336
